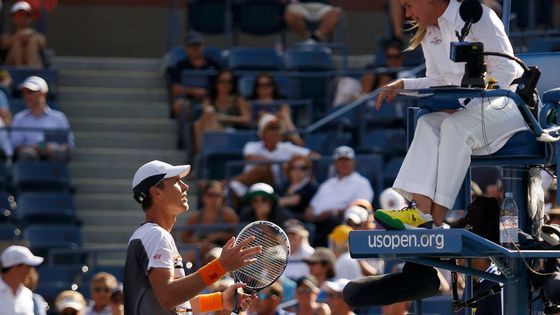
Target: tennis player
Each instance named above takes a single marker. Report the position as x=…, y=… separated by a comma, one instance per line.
x=154, y=279
x=440, y=154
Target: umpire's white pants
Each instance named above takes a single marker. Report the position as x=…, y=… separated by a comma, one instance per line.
x=440, y=154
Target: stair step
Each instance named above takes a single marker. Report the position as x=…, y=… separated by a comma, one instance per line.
x=101, y=217
x=108, y=109
x=103, y=170
x=102, y=185
x=117, y=201
x=162, y=126
x=133, y=156
x=114, y=64
x=76, y=93
x=107, y=78
x=125, y=140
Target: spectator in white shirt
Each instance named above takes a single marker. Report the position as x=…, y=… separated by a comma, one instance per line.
x=345, y=267
x=299, y=249
x=102, y=285
x=336, y=194
x=15, y=298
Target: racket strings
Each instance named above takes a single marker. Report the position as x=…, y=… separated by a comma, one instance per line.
x=270, y=262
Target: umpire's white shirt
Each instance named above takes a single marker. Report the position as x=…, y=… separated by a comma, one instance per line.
x=19, y=304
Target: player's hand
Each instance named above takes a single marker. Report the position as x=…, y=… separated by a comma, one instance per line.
x=243, y=300
x=238, y=256
x=389, y=92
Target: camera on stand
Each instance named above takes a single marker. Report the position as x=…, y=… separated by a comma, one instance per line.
x=475, y=68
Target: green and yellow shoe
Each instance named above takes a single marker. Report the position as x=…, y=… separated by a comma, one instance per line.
x=409, y=218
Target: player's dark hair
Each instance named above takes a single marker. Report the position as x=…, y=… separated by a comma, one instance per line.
x=148, y=200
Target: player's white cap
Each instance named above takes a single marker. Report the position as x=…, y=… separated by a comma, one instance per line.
x=151, y=173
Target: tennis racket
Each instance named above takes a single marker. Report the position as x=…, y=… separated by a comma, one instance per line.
x=270, y=263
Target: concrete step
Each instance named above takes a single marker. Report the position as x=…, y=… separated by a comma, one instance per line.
x=118, y=201
x=132, y=156
x=101, y=109
x=126, y=140
x=109, y=78
x=114, y=94
x=161, y=126
x=102, y=217
x=64, y=63
x=103, y=170
x=102, y=185
x=108, y=233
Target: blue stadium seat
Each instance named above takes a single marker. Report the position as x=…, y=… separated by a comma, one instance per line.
x=286, y=85
x=45, y=208
x=218, y=148
x=40, y=176
x=9, y=232
x=325, y=142
x=215, y=54
x=393, y=114
x=207, y=16
x=388, y=142
x=17, y=105
x=261, y=17
x=197, y=78
x=323, y=168
x=254, y=59
x=308, y=60
x=6, y=209
x=3, y=177
x=543, y=45
x=59, y=273
x=20, y=74
x=43, y=237
x=391, y=170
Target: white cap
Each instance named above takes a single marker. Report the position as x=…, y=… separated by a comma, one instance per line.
x=20, y=6
x=35, y=84
x=356, y=214
x=151, y=173
x=343, y=152
x=69, y=302
x=336, y=285
x=391, y=200
x=16, y=255
x=264, y=121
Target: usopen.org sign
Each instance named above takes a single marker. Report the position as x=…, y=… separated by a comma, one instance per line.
x=404, y=243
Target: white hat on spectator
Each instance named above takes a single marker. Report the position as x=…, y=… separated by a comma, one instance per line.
x=356, y=214
x=392, y=200
x=266, y=120
x=336, y=285
x=20, y=6
x=19, y=255
x=34, y=83
x=343, y=152
x=70, y=299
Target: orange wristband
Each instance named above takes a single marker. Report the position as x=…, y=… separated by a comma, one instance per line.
x=210, y=302
x=212, y=272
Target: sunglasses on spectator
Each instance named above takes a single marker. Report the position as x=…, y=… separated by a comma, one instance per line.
x=299, y=167
x=396, y=56
x=304, y=290
x=267, y=84
x=101, y=289
x=334, y=295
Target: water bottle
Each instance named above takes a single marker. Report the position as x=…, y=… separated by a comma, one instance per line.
x=509, y=222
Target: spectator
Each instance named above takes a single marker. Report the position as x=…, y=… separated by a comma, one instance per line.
x=366, y=204
x=307, y=292
x=269, y=148
x=263, y=205
x=184, y=97
x=269, y=299
x=70, y=303
x=17, y=262
x=336, y=194
x=335, y=298
x=213, y=211
x=297, y=191
x=265, y=91
x=102, y=285
x=321, y=265
x=117, y=300
x=299, y=12
x=223, y=108
x=345, y=267
x=40, y=306
x=35, y=145
x=24, y=47
x=299, y=249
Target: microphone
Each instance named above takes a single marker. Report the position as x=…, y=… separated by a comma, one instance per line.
x=470, y=12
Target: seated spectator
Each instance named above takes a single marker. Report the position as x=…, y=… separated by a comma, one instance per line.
x=185, y=97
x=366, y=204
x=117, y=300
x=70, y=303
x=321, y=265
x=223, y=109
x=269, y=148
x=336, y=194
x=269, y=301
x=307, y=292
x=335, y=299
x=298, y=12
x=345, y=266
x=24, y=46
x=299, y=249
x=31, y=145
x=263, y=205
x=102, y=285
x=299, y=188
x=39, y=303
